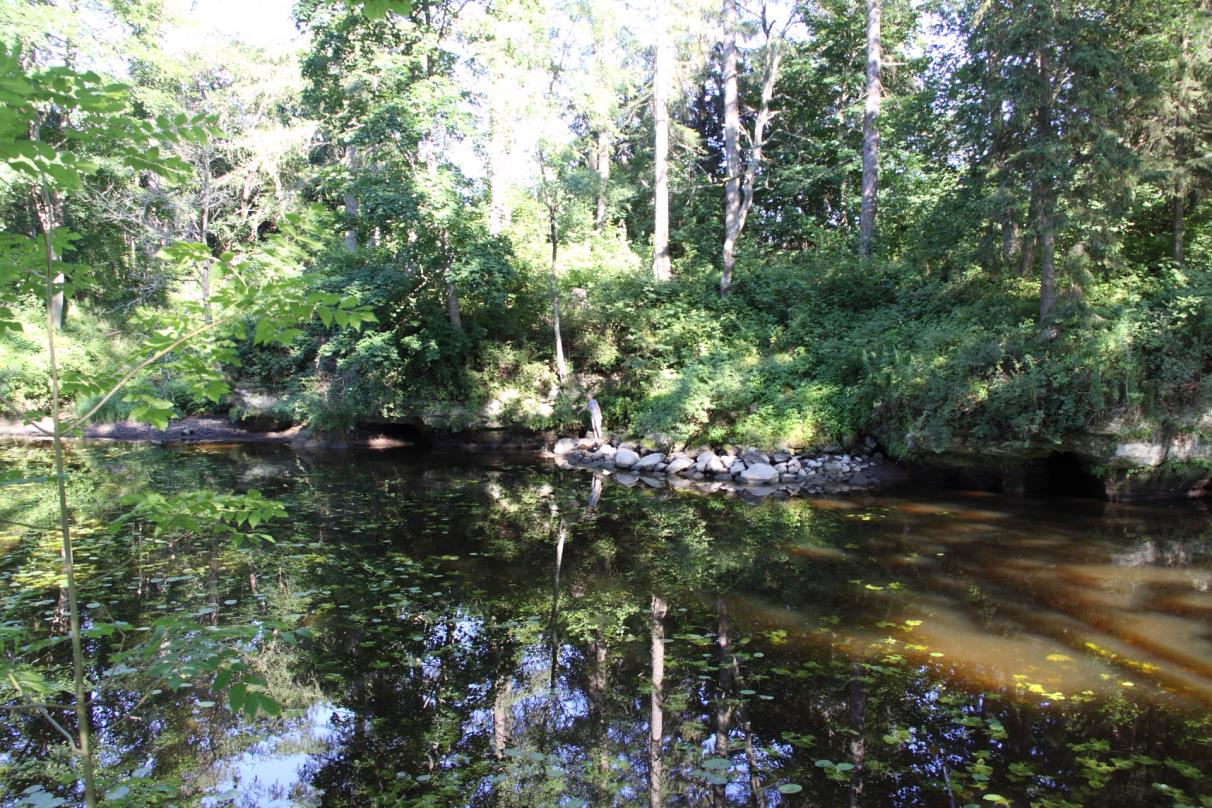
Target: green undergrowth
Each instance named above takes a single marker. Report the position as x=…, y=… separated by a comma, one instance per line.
x=808, y=350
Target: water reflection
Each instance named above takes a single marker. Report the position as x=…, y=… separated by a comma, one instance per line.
x=493, y=634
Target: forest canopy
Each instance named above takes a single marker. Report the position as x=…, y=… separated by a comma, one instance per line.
x=788, y=223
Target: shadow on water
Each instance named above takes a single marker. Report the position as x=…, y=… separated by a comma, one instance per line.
x=489, y=631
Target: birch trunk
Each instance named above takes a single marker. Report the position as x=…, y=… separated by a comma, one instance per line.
x=656, y=716
x=732, y=148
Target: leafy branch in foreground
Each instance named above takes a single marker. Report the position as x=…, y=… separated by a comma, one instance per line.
x=262, y=289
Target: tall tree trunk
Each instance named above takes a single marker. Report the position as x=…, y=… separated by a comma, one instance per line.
x=661, y=268
x=204, y=234
x=561, y=368
x=656, y=715
x=49, y=211
x=1178, y=221
x=451, y=294
x=1178, y=202
x=603, y=168
x=871, y=132
x=1046, y=200
x=732, y=148
x=452, y=301
x=498, y=159
x=351, y=200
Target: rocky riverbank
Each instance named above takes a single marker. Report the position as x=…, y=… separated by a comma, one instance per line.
x=734, y=468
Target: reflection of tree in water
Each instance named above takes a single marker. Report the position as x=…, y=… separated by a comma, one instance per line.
x=486, y=639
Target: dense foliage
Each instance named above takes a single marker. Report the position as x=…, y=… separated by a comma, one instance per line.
x=1040, y=265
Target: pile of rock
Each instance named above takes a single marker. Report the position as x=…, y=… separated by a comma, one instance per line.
x=829, y=470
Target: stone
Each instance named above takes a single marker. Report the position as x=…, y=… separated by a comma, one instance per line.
x=627, y=479
x=564, y=446
x=625, y=458
x=737, y=468
x=869, y=442
x=658, y=440
x=606, y=450
x=752, y=456
x=648, y=462
x=678, y=465
x=587, y=442
x=780, y=457
x=759, y=474
x=708, y=463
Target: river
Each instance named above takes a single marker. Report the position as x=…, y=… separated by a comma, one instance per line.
x=488, y=630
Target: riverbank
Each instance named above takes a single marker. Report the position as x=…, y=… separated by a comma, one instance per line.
x=733, y=469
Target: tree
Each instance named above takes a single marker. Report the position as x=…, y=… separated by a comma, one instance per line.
x=187, y=338
x=871, y=132
x=554, y=194
x=1050, y=90
x=661, y=83
x=739, y=181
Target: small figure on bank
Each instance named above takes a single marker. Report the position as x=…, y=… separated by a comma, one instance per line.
x=595, y=417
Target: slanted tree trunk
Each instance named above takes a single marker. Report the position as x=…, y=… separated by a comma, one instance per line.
x=661, y=268
x=871, y=132
x=561, y=368
x=656, y=715
x=602, y=160
x=351, y=200
x=732, y=148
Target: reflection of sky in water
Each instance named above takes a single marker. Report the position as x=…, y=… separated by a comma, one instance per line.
x=264, y=777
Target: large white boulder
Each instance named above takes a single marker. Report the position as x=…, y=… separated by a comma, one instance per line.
x=759, y=474
x=625, y=458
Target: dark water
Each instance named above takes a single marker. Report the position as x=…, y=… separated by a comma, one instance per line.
x=478, y=635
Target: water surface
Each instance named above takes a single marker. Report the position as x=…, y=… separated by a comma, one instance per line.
x=491, y=631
